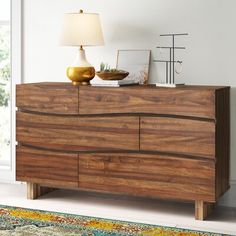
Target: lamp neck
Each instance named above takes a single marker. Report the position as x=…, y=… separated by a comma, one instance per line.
x=81, y=60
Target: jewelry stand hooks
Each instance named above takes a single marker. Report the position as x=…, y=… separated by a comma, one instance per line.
x=178, y=71
x=170, y=64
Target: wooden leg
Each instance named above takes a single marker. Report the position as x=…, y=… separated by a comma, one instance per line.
x=35, y=190
x=32, y=191
x=203, y=209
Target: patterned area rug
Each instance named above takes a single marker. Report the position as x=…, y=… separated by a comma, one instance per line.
x=26, y=222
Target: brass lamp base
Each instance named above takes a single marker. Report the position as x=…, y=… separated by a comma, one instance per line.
x=80, y=83
x=80, y=75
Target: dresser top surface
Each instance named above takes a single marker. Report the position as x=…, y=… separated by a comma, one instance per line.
x=150, y=86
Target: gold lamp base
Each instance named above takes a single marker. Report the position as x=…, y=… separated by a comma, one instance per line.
x=80, y=75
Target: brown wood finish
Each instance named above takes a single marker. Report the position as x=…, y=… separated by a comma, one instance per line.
x=138, y=140
x=32, y=164
x=150, y=175
x=53, y=98
x=174, y=135
x=71, y=133
x=203, y=210
x=222, y=141
x=34, y=191
x=185, y=101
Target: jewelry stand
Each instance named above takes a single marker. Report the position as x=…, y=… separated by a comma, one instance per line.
x=170, y=64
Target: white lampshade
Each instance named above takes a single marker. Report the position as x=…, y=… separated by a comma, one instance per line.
x=81, y=29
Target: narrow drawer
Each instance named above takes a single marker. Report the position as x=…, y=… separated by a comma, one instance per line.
x=184, y=101
x=174, y=135
x=149, y=175
x=46, y=167
x=52, y=98
x=73, y=133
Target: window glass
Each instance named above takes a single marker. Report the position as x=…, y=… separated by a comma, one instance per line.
x=5, y=82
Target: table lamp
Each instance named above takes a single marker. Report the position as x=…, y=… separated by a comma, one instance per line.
x=81, y=29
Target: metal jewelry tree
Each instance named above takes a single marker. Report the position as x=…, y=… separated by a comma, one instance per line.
x=170, y=64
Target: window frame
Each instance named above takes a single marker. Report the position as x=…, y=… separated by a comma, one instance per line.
x=8, y=173
x=3, y=163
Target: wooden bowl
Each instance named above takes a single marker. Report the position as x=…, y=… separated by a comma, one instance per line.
x=112, y=75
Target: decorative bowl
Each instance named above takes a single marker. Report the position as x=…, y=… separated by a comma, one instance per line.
x=107, y=75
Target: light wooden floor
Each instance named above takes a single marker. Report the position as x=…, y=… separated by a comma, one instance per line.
x=175, y=214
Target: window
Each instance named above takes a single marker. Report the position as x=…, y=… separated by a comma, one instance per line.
x=10, y=75
x=5, y=83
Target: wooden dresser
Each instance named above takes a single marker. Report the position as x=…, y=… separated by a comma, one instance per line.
x=136, y=140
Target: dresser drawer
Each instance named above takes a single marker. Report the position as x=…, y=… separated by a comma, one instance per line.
x=56, y=98
x=73, y=133
x=162, y=176
x=46, y=167
x=174, y=135
x=185, y=101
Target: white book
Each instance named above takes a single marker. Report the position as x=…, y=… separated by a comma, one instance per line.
x=105, y=85
x=169, y=85
x=111, y=83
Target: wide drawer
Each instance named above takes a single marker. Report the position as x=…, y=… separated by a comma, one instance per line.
x=150, y=175
x=46, y=167
x=73, y=133
x=184, y=101
x=175, y=135
x=52, y=98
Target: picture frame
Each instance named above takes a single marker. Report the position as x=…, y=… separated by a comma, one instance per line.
x=136, y=62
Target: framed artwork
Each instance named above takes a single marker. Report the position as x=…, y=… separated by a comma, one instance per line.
x=136, y=62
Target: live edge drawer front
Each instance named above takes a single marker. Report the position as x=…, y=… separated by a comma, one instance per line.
x=176, y=135
x=152, y=175
x=46, y=167
x=73, y=133
x=52, y=98
x=183, y=101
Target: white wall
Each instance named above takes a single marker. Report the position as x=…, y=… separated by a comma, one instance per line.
x=210, y=57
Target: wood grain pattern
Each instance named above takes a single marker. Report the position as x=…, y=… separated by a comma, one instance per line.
x=190, y=137
x=222, y=141
x=32, y=191
x=53, y=98
x=203, y=210
x=132, y=126
x=185, y=101
x=35, y=191
x=150, y=175
x=72, y=133
x=46, y=166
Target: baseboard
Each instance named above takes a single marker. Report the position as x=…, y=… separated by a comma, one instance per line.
x=233, y=182
x=228, y=199
x=7, y=181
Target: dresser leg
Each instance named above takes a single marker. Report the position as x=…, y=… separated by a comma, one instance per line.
x=203, y=209
x=35, y=190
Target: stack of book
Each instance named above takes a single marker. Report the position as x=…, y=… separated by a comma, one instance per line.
x=111, y=83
